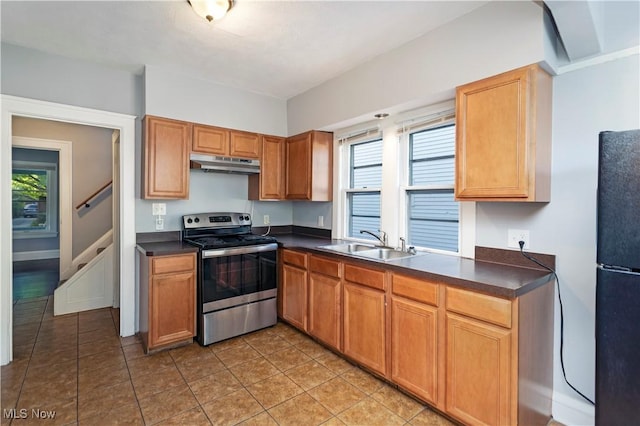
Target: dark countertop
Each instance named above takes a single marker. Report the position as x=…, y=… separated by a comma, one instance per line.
x=497, y=279
x=162, y=248
x=488, y=277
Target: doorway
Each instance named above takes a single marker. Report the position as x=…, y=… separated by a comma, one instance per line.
x=14, y=106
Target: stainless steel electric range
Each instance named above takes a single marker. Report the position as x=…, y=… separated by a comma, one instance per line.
x=237, y=275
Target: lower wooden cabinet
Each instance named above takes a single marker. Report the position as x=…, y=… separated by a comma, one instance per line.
x=482, y=359
x=167, y=300
x=364, y=317
x=325, y=301
x=293, y=288
x=479, y=374
x=414, y=347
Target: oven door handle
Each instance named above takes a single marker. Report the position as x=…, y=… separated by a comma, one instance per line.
x=231, y=251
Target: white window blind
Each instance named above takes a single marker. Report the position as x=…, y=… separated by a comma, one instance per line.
x=363, y=194
x=432, y=213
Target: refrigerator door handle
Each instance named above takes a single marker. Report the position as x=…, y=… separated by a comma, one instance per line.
x=616, y=268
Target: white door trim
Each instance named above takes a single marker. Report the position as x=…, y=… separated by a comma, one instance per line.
x=65, y=173
x=16, y=106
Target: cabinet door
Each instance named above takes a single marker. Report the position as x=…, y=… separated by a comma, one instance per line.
x=413, y=347
x=478, y=372
x=210, y=140
x=294, y=296
x=364, y=326
x=325, y=308
x=269, y=184
x=492, y=137
x=166, y=158
x=244, y=144
x=298, y=170
x=172, y=307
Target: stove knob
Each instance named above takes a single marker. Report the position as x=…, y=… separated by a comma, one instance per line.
x=197, y=220
x=189, y=220
x=246, y=217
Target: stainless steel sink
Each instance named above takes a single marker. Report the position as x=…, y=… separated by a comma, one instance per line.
x=369, y=252
x=348, y=248
x=385, y=254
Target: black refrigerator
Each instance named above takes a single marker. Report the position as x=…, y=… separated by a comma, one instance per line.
x=618, y=280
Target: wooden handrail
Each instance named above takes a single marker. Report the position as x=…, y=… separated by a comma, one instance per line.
x=85, y=203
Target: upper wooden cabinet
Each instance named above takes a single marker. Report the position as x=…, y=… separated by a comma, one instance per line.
x=220, y=141
x=503, y=137
x=269, y=183
x=166, y=146
x=309, y=166
x=210, y=140
x=244, y=144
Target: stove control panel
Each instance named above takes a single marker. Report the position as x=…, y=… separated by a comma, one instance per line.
x=215, y=220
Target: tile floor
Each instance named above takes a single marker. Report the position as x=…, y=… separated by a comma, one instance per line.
x=77, y=366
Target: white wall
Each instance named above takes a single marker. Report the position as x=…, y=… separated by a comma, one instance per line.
x=186, y=98
x=213, y=192
x=306, y=214
x=585, y=102
x=492, y=39
x=33, y=74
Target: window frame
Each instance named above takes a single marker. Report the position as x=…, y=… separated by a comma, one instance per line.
x=51, y=169
x=348, y=147
x=407, y=188
x=393, y=194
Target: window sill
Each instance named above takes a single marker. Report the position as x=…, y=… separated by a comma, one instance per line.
x=23, y=235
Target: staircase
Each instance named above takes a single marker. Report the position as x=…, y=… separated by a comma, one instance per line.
x=91, y=284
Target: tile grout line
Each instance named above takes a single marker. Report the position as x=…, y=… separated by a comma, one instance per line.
x=30, y=355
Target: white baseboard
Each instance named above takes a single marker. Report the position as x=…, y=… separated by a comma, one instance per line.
x=35, y=255
x=572, y=411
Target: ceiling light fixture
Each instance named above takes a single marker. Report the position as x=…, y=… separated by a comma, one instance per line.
x=211, y=9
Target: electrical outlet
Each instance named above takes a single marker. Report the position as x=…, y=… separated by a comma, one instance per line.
x=265, y=219
x=159, y=209
x=321, y=221
x=517, y=235
x=159, y=224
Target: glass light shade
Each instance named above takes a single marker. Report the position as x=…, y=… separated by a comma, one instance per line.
x=211, y=9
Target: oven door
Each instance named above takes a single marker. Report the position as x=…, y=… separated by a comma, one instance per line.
x=238, y=275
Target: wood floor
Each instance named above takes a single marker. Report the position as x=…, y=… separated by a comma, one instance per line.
x=35, y=278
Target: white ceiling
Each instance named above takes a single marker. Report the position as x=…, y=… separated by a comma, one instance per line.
x=278, y=48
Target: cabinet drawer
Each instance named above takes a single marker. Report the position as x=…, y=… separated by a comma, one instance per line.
x=294, y=258
x=364, y=276
x=480, y=306
x=168, y=264
x=416, y=289
x=324, y=266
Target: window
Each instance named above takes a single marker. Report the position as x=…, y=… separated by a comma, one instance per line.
x=34, y=195
x=398, y=175
x=365, y=180
x=432, y=214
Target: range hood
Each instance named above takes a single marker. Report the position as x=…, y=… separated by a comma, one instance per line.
x=212, y=163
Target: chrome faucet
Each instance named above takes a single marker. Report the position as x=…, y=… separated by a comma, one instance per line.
x=403, y=245
x=382, y=237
